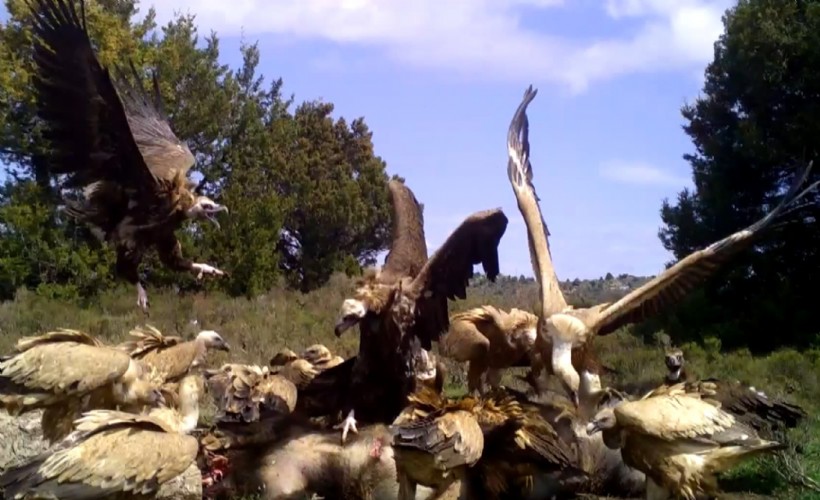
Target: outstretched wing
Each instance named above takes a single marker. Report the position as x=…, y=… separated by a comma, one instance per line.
x=675, y=282
x=166, y=155
x=447, y=273
x=519, y=171
x=408, y=250
x=96, y=139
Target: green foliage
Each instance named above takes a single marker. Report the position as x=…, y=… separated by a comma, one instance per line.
x=306, y=193
x=754, y=128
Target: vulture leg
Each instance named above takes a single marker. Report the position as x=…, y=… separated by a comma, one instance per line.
x=170, y=253
x=465, y=343
x=142, y=297
x=347, y=425
x=128, y=267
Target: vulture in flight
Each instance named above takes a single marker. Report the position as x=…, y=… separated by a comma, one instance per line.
x=565, y=327
x=114, y=144
x=402, y=309
x=113, y=452
x=490, y=340
x=680, y=441
x=65, y=372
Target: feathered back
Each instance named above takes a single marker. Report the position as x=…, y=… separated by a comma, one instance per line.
x=147, y=339
x=60, y=335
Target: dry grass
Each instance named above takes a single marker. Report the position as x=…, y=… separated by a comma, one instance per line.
x=259, y=327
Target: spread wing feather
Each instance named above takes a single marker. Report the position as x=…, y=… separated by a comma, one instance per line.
x=519, y=171
x=672, y=284
x=447, y=273
x=408, y=250
x=87, y=125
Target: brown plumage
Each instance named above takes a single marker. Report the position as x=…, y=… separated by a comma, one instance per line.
x=566, y=327
x=170, y=357
x=436, y=451
x=250, y=393
x=744, y=402
x=66, y=372
x=113, y=453
x=115, y=144
x=403, y=308
x=678, y=440
x=519, y=440
x=489, y=340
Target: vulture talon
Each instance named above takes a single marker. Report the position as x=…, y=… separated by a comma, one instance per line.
x=348, y=424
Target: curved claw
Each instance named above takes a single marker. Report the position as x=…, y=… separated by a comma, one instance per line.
x=347, y=425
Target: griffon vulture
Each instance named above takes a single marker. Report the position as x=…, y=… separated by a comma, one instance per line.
x=490, y=340
x=565, y=327
x=747, y=404
x=114, y=144
x=113, y=452
x=678, y=440
x=283, y=357
x=170, y=356
x=402, y=308
x=321, y=358
x=65, y=372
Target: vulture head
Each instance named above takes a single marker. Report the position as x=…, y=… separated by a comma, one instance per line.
x=674, y=362
x=205, y=208
x=604, y=421
x=317, y=354
x=283, y=357
x=370, y=298
x=213, y=340
x=524, y=327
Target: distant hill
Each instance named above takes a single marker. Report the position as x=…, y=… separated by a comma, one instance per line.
x=579, y=293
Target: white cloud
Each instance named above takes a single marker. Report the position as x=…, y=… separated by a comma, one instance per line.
x=480, y=37
x=640, y=173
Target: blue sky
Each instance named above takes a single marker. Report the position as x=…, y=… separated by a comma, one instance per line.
x=438, y=81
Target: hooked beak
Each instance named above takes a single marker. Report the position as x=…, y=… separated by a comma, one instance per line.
x=224, y=346
x=592, y=428
x=345, y=323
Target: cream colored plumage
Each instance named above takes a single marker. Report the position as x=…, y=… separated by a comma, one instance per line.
x=489, y=339
x=678, y=440
x=299, y=371
x=66, y=372
x=171, y=357
x=563, y=327
x=113, y=452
